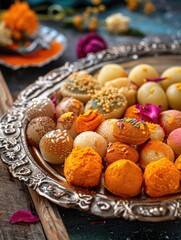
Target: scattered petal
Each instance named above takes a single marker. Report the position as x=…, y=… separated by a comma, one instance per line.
x=54, y=100
x=23, y=216
x=135, y=84
x=149, y=110
x=155, y=79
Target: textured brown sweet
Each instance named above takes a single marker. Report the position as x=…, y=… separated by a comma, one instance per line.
x=37, y=127
x=153, y=151
x=40, y=107
x=123, y=178
x=161, y=178
x=118, y=150
x=68, y=121
x=55, y=146
x=83, y=167
x=69, y=104
x=131, y=131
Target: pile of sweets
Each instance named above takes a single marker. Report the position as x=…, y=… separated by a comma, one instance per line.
x=123, y=127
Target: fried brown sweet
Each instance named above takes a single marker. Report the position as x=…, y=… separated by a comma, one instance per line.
x=118, y=150
x=131, y=131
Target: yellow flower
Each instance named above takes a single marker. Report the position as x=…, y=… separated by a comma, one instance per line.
x=78, y=22
x=132, y=4
x=96, y=2
x=20, y=19
x=93, y=24
x=117, y=23
x=149, y=7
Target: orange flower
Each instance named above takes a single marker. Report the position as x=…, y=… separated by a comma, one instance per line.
x=19, y=18
x=149, y=7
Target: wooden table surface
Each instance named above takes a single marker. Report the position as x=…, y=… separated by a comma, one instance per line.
x=15, y=195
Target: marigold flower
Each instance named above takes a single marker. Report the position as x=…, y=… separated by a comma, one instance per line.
x=117, y=23
x=20, y=19
x=132, y=4
x=96, y=2
x=78, y=22
x=149, y=7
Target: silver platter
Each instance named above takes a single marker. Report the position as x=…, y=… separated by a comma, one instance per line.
x=26, y=164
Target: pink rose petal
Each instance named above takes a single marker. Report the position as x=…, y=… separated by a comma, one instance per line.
x=90, y=43
x=149, y=110
x=155, y=79
x=54, y=100
x=23, y=216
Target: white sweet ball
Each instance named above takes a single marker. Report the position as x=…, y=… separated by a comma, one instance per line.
x=173, y=75
x=152, y=93
x=174, y=96
x=106, y=130
x=139, y=73
x=110, y=72
x=93, y=140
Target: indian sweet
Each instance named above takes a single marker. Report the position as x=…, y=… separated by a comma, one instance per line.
x=40, y=107
x=89, y=121
x=134, y=112
x=105, y=129
x=37, y=127
x=174, y=141
x=69, y=104
x=109, y=102
x=55, y=146
x=156, y=131
x=161, y=178
x=172, y=75
x=118, y=150
x=131, y=131
x=110, y=72
x=131, y=124
x=149, y=93
x=178, y=164
x=68, y=121
x=130, y=93
x=123, y=178
x=170, y=120
x=153, y=151
x=80, y=85
x=93, y=140
x=139, y=73
x=83, y=167
x=173, y=93
x=118, y=82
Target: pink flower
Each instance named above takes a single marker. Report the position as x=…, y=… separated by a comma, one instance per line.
x=90, y=43
x=23, y=216
x=149, y=110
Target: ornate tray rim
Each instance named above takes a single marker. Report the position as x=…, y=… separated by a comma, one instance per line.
x=14, y=151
